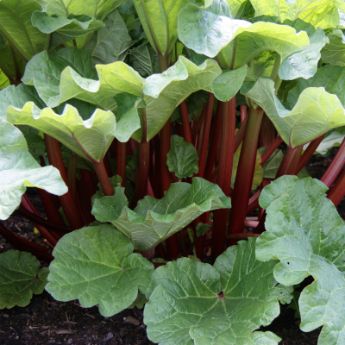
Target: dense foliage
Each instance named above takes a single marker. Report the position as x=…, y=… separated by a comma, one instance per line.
x=129, y=129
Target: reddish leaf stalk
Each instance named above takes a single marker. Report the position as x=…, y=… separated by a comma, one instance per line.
x=336, y=166
x=227, y=150
x=337, y=192
x=187, y=131
x=289, y=165
x=206, y=135
x=245, y=172
x=271, y=149
x=68, y=204
x=308, y=153
x=102, y=174
x=121, y=155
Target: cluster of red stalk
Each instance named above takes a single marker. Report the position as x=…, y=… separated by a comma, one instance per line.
x=218, y=132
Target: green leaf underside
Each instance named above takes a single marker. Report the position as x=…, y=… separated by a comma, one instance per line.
x=194, y=303
x=307, y=236
x=20, y=278
x=315, y=113
x=97, y=266
x=15, y=25
x=19, y=170
x=182, y=159
x=209, y=30
x=89, y=139
x=153, y=221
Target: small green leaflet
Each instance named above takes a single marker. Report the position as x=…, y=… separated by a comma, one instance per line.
x=334, y=52
x=153, y=220
x=4, y=82
x=309, y=118
x=19, y=170
x=182, y=159
x=194, y=303
x=97, y=266
x=306, y=235
x=21, y=277
x=89, y=139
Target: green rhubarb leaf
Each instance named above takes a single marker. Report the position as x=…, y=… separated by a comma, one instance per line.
x=182, y=159
x=165, y=91
x=306, y=235
x=334, y=51
x=4, y=82
x=332, y=78
x=309, y=118
x=159, y=21
x=21, y=277
x=236, y=6
x=229, y=83
x=43, y=72
x=19, y=170
x=304, y=63
x=68, y=26
x=322, y=14
x=153, y=220
x=91, y=8
x=194, y=303
x=113, y=41
x=333, y=139
x=209, y=30
x=96, y=265
x=89, y=139
x=15, y=19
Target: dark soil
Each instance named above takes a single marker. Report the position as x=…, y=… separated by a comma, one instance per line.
x=47, y=322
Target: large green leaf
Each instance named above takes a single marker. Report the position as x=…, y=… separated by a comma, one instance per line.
x=304, y=63
x=182, y=159
x=20, y=278
x=43, y=72
x=195, y=303
x=209, y=30
x=320, y=13
x=97, y=266
x=15, y=25
x=90, y=8
x=311, y=116
x=161, y=93
x=89, y=139
x=18, y=170
x=159, y=21
x=306, y=235
x=153, y=221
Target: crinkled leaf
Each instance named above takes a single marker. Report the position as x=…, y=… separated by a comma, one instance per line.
x=182, y=159
x=332, y=78
x=158, y=18
x=320, y=13
x=196, y=303
x=20, y=278
x=68, y=26
x=88, y=138
x=226, y=85
x=311, y=116
x=153, y=220
x=304, y=63
x=306, y=235
x=97, y=266
x=164, y=92
x=113, y=40
x=141, y=59
x=334, y=51
x=18, y=170
x=15, y=19
x=43, y=72
x=208, y=30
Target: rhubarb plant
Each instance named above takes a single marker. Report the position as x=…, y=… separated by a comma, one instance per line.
x=138, y=134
